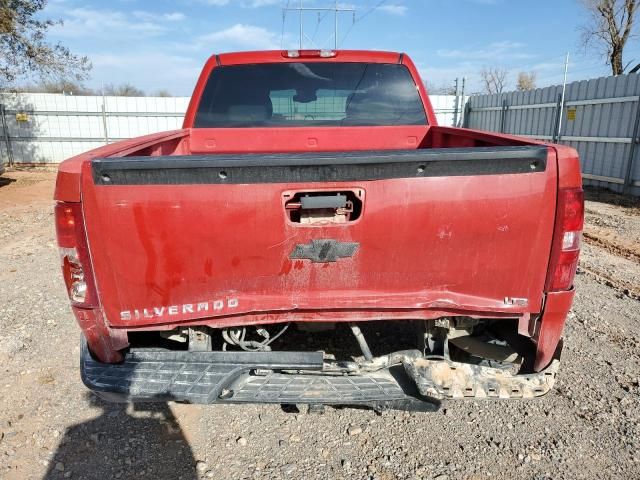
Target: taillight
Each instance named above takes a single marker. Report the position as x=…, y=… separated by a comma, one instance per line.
x=566, y=240
x=74, y=254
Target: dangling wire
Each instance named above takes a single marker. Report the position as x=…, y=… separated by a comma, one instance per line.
x=236, y=336
x=284, y=17
x=362, y=17
x=320, y=20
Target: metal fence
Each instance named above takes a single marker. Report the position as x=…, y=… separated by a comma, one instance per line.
x=449, y=109
x=599, y=118
x=48, y=128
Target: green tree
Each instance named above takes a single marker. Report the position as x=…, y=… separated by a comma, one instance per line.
x=25, y=52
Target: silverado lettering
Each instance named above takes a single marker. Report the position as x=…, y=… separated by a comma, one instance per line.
x=320, y=185
x=159, y=312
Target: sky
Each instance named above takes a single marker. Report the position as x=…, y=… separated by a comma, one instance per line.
x=162, y=44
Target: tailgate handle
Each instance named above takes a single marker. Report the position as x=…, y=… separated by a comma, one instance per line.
x=322, y=207
x=323, y=201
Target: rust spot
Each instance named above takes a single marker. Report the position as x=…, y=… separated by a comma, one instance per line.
x=235, y=261
x=208, y=267
x=298, y=265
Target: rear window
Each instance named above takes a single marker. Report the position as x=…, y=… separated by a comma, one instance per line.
x=307, y=94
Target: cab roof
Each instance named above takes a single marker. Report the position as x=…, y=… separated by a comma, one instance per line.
x=279, y=56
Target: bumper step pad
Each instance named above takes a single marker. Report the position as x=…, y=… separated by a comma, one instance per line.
x=406, y=383
x=284, y=388
x=197, y=377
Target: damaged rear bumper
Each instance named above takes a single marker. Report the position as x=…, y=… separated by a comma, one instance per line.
x=442, y=379
x=404, y=380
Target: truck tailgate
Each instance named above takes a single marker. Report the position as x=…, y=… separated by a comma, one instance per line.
x=186, y=238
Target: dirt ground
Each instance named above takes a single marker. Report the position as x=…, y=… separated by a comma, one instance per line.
x=51, y=427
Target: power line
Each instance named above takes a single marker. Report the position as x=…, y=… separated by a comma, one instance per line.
x=573, y=71
x=368, y=12
x=555, y=77
x=348, y=32
x=320, y=20
x=558, y=59
x=284, y=17
x=530, y=65
x=357, y=20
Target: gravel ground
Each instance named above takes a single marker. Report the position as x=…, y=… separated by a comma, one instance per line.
x=51, y=427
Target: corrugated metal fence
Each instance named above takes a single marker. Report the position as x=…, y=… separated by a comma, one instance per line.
x=599, y=119
x=449, y=109
x=48, y=128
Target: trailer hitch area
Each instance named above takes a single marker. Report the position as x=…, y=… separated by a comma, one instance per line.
x=441, y=379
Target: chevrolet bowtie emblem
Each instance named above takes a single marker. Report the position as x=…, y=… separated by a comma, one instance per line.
x=324, y=251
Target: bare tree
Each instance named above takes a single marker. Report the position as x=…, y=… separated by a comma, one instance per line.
x=68, y=87
x=163, y=93
x=526, y=81
x=124, y=90
x=441, y=89
x=611, y=24
x=24, y=50
x=494, y=79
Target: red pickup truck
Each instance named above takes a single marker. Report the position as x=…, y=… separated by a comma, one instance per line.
x=312, y=236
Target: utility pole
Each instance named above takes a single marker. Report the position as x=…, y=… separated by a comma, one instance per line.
x=455, y=106
x=104, y=117
x=564, y=90
x=463, y=103
x=336, y=9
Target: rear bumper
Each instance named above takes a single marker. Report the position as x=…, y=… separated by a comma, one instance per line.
x=404, y=380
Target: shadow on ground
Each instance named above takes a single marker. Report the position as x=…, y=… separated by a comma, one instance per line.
x=4, y=181
x=139, y=441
